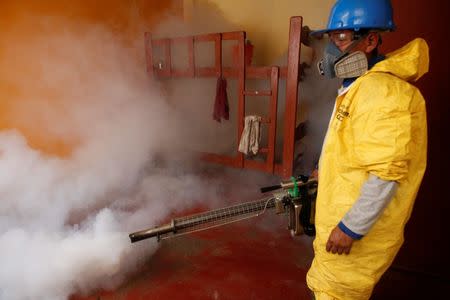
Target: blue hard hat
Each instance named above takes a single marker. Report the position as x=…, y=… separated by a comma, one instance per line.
x=360, y=14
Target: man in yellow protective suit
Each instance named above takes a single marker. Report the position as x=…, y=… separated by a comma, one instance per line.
x=374, y=154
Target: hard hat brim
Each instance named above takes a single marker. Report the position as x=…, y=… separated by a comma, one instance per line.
x=316, y=33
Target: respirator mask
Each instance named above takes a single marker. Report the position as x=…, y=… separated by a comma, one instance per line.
x=343, y=64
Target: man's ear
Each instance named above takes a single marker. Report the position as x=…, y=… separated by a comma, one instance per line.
x=372, y=41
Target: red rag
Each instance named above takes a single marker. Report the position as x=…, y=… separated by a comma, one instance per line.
x=221, y=108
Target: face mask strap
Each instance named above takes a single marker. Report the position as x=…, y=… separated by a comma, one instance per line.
x=352, y=45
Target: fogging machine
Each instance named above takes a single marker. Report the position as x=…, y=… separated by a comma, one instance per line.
x=295, y=199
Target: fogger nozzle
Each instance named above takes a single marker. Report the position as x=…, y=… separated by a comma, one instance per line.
x=152, y=232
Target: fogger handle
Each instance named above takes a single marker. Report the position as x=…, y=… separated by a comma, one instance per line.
x=270, y=188
x=286, y=185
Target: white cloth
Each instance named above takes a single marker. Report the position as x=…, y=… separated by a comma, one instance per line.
x=251, y=136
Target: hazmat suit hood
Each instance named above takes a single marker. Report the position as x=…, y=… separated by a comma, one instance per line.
x=408, y=63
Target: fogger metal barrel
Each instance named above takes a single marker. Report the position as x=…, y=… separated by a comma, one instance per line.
x=206, y=220
x=149, y=233
x=238, y=212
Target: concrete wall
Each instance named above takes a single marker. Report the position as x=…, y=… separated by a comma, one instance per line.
x=267, y=21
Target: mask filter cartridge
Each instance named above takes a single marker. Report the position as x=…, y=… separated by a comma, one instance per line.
x=351, y=65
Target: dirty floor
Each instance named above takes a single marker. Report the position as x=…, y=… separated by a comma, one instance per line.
x=251, y=259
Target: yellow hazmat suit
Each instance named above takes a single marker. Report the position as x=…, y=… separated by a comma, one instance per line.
x=378, y=127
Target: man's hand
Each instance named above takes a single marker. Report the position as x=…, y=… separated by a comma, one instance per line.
x=339, y=242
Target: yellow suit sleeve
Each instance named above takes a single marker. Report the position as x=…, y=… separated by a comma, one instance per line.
x=383, y=134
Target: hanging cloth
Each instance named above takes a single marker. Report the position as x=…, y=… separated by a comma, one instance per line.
x=221, y=108
x=251, y=135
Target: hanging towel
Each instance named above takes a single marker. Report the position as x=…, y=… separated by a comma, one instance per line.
x=251, y=136
x=221, y=108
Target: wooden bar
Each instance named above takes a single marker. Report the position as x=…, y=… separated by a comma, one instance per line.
x=233, y=35
x=211, y=37
x=241, y=96
x=230, y=73
x=290, y=112
x=258, y=72
x=233, y=73
x=181, y=39
x=274, y=80
x=258, y=93
x=253, y=72
x=206, y=72
x=181, y=73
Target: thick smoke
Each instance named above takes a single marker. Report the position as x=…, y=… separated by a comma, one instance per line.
x=58, y=232
x=96, y=150
x=65, y=219
x=316, y=101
